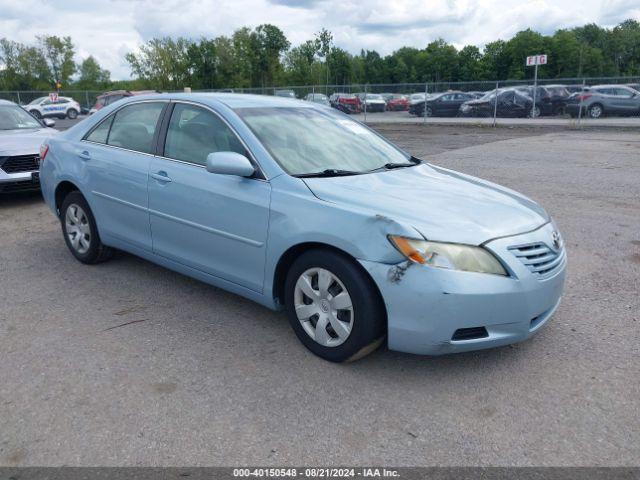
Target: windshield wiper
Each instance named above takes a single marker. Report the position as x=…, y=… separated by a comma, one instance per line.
x=413, y=161
x=329, y=172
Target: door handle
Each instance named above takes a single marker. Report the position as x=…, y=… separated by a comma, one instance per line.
x=161, y=176
x=84, y=155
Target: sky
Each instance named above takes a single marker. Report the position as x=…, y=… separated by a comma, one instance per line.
x=108, y=29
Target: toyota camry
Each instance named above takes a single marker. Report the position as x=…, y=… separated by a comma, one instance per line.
x=300, y=208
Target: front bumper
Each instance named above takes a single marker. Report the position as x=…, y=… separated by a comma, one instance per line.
x=426, y=306
x=20, y=181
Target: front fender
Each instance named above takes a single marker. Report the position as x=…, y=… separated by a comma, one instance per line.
x=298, y=217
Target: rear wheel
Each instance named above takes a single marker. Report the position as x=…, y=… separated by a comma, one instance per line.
x=80, y=231
x=333, y=306
x=36, y=114
x=72, y=114
x=595, y=111
x=428, y=112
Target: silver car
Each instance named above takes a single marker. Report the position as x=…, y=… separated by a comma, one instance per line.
x=20, y=138
x=320, y=98
x=601, y=100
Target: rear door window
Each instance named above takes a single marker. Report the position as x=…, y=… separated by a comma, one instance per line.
x=134, y=126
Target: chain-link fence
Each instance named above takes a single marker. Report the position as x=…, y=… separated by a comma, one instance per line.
x=572, y=99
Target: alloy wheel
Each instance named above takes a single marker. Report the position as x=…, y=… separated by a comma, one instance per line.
x=324, y=307
x=595, y=111
x=77, y=228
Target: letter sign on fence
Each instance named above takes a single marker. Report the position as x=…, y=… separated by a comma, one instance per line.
x=536, y=60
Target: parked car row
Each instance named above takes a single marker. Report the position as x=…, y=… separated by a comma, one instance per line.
x=525, y=101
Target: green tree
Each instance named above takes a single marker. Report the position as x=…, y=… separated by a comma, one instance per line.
x=269, y=44
x=92, y=76
x=324, y=43
x=59, y=53
x=163, y=63
x=469, y=66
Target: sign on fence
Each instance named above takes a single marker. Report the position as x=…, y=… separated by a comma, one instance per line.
x=536, y=60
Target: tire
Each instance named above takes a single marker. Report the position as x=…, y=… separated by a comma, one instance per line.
x=535, y=112
x=428, y=112
x=595, y=111
x=72, y=114
x=76, y=217
x=360, y=328
x=36, y=114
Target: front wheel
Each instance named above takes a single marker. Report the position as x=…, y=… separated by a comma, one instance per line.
x=72, y=114
x=36, y=114
x=80, y=231
x=333, y=306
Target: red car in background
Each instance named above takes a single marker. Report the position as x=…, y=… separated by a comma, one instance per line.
x=346, y=102
x=107, y=98
x=396, y=102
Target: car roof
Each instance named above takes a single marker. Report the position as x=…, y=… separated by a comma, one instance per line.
x=613, y=85
x=231, y=100
x=6, y=102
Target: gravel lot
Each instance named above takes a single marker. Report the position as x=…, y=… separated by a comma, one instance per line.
x=198, y=376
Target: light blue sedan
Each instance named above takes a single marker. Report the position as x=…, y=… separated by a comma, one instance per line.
x=298, y=207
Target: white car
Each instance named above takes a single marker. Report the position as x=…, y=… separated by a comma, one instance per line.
x=373, y=101
x=63, y=107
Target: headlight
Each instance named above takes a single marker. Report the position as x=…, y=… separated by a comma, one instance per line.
x=448, y=255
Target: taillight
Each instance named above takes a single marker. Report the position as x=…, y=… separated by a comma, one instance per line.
x=44, y=149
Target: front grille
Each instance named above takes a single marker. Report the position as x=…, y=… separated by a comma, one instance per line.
x=20, y=163
x=541, y=260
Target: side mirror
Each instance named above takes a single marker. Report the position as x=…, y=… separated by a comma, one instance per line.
x=229, y=163
x=49, y=123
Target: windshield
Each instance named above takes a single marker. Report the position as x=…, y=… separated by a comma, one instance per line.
x=489, y=95
x=306, y=140
x=37, y=100
x=13, y=117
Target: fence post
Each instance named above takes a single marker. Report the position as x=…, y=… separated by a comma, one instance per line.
x=495, y=105
x=86, y=94
x=365, y=102
x=580, y=104
x=19, y=102
x=535, y=89
x=424, y=110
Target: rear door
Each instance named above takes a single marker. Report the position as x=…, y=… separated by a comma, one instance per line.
x=117, y=154
x=213, y=223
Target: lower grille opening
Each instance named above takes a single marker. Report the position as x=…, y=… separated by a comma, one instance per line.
x=470, y=333
x=23, y=186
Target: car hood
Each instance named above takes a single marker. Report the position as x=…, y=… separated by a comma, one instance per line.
x=441, y=204
x=23, y=142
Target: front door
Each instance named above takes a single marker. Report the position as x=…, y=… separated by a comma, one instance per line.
x=214, y=223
